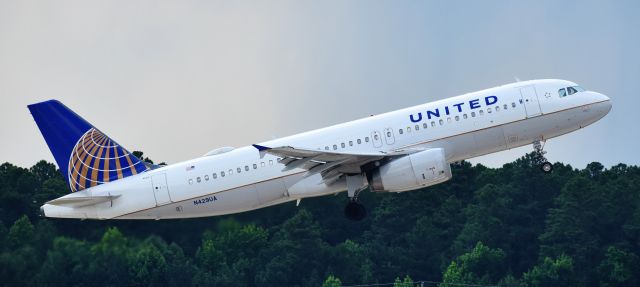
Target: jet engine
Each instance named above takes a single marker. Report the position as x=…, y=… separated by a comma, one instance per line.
x=411, y=172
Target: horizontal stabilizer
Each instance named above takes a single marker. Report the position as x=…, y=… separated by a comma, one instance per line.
x=80, y=201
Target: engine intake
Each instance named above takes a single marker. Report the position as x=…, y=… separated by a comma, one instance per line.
x=411, y=172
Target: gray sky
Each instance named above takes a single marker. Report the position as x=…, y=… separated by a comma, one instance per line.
x=176, y=79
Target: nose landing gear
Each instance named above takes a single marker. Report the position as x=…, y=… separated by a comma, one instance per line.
x=540, y=159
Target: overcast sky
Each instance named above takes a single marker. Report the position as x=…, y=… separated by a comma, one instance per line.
x=176, y=79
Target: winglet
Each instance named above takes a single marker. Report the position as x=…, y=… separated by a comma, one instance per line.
x=261, y=148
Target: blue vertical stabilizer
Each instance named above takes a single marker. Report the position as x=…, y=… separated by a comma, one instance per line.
x=86, y=157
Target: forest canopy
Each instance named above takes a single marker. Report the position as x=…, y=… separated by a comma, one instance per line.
x=508, y=226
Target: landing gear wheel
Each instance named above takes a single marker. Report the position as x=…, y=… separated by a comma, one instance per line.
x=355, y=211
x=540, y=159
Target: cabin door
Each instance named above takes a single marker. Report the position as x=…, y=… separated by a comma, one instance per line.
x=530, y=100
x=160, y=189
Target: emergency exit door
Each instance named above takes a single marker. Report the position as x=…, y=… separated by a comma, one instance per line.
x=160, y=189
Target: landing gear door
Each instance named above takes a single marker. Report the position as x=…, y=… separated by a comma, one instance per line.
x=160, y=189
x=530, y=100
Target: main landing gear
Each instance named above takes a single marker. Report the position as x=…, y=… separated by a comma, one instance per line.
x=540, y=159
x=354, y=210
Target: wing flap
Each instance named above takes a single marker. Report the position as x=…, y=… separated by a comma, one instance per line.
x=330, y=164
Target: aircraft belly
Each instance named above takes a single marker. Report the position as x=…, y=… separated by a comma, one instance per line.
x=230, y=201
x=490, y=140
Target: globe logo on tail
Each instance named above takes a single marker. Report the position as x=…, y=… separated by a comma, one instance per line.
x=97, y=159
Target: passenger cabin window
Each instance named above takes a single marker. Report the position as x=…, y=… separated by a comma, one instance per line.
x=215, y=175
x=473, y=114
x=424, y=125
x=326, y=147
x=239, y=170
x=464, y=116
x=255, y=166
x=359, y=141
x=270, y=162
x=335, y=147
x=230, y=171
x=505, y=106
x=350, y=143
x=457, y=118
x=206, y=177
x=481, y=112
x=433, y=124
x=408, y=129
x=366, y=139
x=198, y=179
x=400, y=131
x=441, y=122
x=191, y=181
x=513, y=105
x=342, y=144
x=417, y=127
x=222, y=173
x=246, y=168
x=262, y=164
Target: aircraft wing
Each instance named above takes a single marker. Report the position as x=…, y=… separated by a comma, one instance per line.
x=331, y=165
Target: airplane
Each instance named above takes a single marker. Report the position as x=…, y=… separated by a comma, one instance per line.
x=398, y=151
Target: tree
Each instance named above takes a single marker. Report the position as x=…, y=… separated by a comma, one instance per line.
x=44, y=171
x=570, y=224
x=66, y=264
x=180, y=269
x=332, y=281
x=294, y=250
x=21, y=233
x=558, y=272
x=482, y=265
x=109, y=264
x=147, y=267
x=619, y=268
x=3, y=236
x=351, y=262
x=406, y=282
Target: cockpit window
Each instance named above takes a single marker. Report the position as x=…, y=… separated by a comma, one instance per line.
x=570, y=91
x=562, y=92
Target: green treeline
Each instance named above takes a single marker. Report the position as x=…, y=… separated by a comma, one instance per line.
x=511, y=226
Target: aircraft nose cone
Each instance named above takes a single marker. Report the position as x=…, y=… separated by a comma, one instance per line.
x=42, y=211
x=606, y=104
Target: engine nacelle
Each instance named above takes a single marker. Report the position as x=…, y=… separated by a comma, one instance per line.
x=411, y=172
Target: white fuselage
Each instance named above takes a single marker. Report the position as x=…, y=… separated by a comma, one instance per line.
x=465, y=126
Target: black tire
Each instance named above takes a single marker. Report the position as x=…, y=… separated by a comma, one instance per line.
x=355, y=211
x=546, y=167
